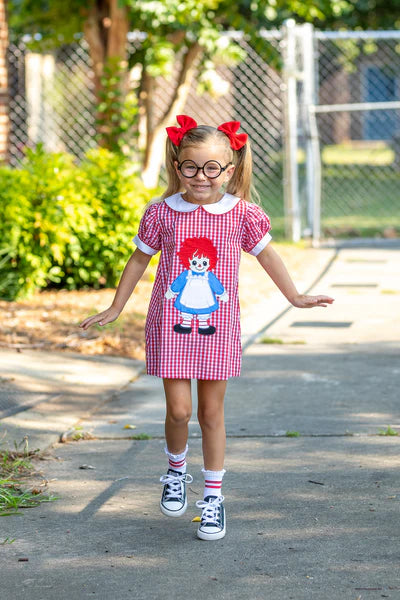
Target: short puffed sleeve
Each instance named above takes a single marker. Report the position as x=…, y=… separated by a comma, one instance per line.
x=148, y=238
x=256, y=228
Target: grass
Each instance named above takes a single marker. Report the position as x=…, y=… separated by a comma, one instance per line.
x=269, y=340
x=13, y=497
x=13, y=463
x=293, y=434
x=14, y=493
x=362, y=200
x=140, y=436
x=388, y=431
x=7, y=541
x=373, y=153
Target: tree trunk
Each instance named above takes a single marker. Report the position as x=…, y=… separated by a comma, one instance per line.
x=155, y=137
x=105, y=29
x=95, y=36
x=118, y=32
x=4, y=93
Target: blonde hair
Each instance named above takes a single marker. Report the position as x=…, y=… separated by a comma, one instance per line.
x=240, y=184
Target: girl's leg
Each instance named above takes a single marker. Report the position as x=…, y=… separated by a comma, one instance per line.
x=179, y=409
x=211, y=396
x=211, y=418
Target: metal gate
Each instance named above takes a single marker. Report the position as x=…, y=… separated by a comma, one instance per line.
x=342, y=132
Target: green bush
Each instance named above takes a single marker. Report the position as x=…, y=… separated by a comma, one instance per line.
x=67, y=225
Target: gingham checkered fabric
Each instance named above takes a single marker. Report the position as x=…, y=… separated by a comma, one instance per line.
x=174, y=355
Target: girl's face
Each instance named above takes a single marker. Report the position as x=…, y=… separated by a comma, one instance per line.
x=201, y=189
x=199, y=264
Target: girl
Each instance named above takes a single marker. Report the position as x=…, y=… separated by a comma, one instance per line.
x=203, y=221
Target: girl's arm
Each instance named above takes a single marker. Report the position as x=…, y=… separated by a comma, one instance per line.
x=272, y=263
x=133, y=272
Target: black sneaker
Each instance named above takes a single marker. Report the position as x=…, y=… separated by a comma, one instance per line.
x=212, y=526
x=173, y=501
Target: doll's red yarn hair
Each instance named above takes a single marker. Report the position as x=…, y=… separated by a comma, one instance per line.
x=201, y=247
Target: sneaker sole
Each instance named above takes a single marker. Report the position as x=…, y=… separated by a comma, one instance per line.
x=173, y=513
x=211, y=536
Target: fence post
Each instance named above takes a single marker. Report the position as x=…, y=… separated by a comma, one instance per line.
x=290, y=125
x=313, y=156
x=4, y=90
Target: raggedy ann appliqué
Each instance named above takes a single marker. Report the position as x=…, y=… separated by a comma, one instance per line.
x=197, y=290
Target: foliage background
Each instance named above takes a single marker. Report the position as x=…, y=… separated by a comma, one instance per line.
x=67, y=225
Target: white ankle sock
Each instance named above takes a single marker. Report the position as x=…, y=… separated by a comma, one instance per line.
x=177, y=462
x=213, y=482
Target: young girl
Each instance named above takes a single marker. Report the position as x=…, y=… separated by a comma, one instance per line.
x=203, y=221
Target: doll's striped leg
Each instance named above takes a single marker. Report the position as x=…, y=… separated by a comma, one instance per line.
x=204, y=327
x=185, y=326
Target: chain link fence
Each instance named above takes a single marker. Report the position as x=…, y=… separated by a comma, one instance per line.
x=358, y=117
x=51, y=101
x=322, y=116
x=250, y=92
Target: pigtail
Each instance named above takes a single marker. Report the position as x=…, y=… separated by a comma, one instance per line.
x=174, y=184
x=241, y=183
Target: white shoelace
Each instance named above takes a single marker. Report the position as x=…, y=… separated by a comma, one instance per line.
x=174, y=484
x=210, y=510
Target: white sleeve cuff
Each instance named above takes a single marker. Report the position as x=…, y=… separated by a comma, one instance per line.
x=144, y=247
x=261, y=244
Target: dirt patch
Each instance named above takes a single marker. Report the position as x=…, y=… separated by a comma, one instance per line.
x=49, y=320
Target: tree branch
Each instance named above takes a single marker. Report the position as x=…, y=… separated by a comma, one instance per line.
x=154, y=133
x=184, y=81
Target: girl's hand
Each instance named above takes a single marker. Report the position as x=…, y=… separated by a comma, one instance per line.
x=107, y=316
x=304, y=301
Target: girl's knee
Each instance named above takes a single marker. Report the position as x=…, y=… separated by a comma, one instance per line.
x=178, y=415
x=211, y=418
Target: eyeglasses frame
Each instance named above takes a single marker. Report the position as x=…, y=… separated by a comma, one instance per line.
x=202, y=168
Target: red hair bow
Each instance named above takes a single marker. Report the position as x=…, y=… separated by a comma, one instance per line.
x=176, y=134
x=237, y=140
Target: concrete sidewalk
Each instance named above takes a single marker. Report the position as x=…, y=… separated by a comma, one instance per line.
x=44, y=394
x=313, y=516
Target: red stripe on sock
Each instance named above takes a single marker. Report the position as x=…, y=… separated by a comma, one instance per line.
x=179, y=463
x=213, y=482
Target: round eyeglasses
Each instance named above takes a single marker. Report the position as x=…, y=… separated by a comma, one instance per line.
x=211, y=169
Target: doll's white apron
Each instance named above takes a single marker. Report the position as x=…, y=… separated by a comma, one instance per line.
x=197, y=293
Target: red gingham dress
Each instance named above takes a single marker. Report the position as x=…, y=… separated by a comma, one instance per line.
x=231, y=224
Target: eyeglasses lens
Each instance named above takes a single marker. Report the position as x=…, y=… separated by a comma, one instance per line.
x=211, y=169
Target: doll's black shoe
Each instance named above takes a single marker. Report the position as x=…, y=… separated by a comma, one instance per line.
x=180, y=329
x=206, y=330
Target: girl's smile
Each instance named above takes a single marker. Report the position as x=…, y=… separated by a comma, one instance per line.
x=201, y=189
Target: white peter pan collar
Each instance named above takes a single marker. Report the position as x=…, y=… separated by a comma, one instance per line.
x=227, y=202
